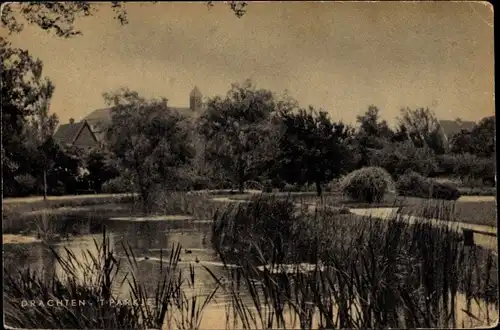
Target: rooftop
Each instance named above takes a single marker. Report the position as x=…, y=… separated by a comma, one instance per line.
x=451, y=127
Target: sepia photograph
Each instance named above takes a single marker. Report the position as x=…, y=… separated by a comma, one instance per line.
x=248, y=165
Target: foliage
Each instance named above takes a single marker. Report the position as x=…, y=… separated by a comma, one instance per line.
x=240, y=132
x=399, y=157
x=468, y=167
x=372, y=134
x=415, y=185
x=375, y=132
x=27, y=184
x=60, y=17
x=313, y=149
x=101, y=167
x=64, y=175
x=423, y=129
x=479, y=141
x=118, y=185
x=368, y=184
x=23, y=89
x=149, y=140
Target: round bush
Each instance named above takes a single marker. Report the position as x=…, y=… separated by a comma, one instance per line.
x=415, y=185
x=368, y=184
x=117, y=185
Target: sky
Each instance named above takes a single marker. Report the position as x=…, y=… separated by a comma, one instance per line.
x=340, y=57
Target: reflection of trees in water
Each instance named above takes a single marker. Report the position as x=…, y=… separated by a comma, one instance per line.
x=49, y=261
x=141, y=236
x=19, y=256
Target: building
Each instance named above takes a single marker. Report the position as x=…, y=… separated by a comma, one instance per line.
x=452, y=127
x=449, y=128
x=76, y=134
x=100, y=119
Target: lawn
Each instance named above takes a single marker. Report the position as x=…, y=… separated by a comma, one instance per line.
x=474, y=212
x=479, y=213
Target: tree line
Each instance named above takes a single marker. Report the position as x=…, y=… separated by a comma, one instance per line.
x=249, y=136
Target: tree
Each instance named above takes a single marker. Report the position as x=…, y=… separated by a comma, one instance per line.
x=423, y=128
x=64, y=173
x=479, y=141
x=39, y=129
x=239, y=130
x=371, y=126
x=373, y=134
x=462, y=142
x=23, y=91
x=313, y=149
x=400, y=134
x=60, y=17
x=484, y=137
x=101, y=168
x=149, y=140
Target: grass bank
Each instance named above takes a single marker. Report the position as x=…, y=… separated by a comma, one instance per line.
x=16, y=207
x=473, y=212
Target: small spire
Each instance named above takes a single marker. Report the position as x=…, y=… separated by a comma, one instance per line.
x=195, y=92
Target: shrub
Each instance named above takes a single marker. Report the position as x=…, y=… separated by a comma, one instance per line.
x=368, y=184
x=117, y=185
x=267, y=186
x=200, y=183
x=415, y=185
x=290, y=188
x=470, y=168
x=333, y=186
x=57, y=189
x=446, y=164
x=397, y=158
x=255, y=185
x=27, y=184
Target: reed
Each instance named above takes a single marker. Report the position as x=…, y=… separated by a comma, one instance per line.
x=90, y=284
x=366, y=273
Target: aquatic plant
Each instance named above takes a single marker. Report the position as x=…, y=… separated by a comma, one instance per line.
x=367, y=272
x=89, y=290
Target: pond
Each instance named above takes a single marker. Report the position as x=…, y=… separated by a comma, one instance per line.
x=149, y=240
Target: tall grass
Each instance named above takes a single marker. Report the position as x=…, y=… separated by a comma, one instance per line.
x=90, y=285
x=367, y=273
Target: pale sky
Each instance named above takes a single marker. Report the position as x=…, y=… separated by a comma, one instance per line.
x=338, y=56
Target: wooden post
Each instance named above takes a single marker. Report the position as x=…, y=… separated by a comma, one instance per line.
x=468, y=237
x=44, y=185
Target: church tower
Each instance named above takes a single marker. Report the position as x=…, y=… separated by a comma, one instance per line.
x=195, y=99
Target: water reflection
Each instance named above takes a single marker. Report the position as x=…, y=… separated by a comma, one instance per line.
x=150, y=242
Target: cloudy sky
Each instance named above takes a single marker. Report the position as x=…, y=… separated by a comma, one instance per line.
x=341, y=57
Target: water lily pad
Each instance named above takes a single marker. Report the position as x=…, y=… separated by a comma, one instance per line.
x=154, y=218
x=291, y=268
